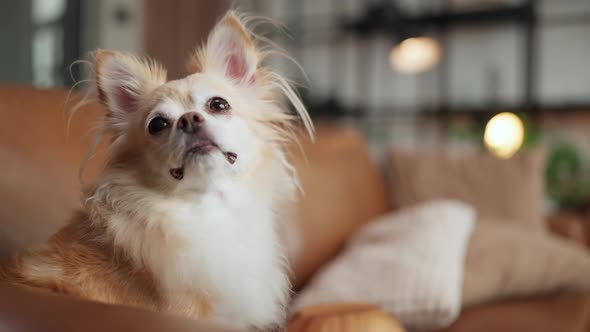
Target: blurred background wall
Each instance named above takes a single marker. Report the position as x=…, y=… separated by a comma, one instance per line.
x=411, y=73
x=491, y=54
x=483, y=62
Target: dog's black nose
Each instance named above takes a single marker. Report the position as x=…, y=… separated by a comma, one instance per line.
x=190, y=122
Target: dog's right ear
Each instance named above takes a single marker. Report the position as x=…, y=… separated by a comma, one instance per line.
x=122, y=79
x=229, y=51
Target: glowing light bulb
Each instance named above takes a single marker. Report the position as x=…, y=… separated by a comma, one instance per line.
x=414, y=55
x=504, y=134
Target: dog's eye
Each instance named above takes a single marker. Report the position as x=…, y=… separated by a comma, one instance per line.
x=157, y=125
x=218, y=104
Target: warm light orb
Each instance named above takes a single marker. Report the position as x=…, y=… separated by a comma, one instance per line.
x=414, y=55
x=504, y=134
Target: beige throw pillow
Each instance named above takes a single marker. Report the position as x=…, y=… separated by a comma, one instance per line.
x=410, y=263
x=507, y=261
x=511, y=189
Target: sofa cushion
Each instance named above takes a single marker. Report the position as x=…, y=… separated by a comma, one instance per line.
x=409, y=263
x=39, y=184
x=342, y=190
x=348, y=317
x=505, y=261
x=511, y=190
x=563, y=313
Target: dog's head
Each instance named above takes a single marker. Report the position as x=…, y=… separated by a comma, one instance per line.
x=223, y=119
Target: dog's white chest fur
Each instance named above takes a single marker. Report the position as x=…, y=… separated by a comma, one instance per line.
x=219, y=247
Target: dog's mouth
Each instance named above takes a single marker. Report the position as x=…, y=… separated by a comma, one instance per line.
x=203, y=146
x=200, y=147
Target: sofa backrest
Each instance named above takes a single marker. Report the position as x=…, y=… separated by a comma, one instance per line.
x=39, y=162
x=343, y=189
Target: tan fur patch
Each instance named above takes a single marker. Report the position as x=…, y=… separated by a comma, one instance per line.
x=80, y=261
x=205, y=307
x=168, y=92
x=196, y=61
x=100, y=57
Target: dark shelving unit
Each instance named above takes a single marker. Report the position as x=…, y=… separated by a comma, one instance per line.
x=386, y=18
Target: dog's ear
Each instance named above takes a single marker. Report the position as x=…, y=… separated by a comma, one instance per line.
x=229, y=51
x=121, y=79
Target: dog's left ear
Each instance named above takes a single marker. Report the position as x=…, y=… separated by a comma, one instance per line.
x=229, y=51
x=121, y=79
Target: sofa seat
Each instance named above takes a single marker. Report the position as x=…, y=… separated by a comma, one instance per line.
x=563, y=313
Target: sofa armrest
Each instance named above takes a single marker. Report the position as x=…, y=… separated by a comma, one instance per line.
x=343, y=317
x=575, y=227
x=24, y=309
x=563, y=313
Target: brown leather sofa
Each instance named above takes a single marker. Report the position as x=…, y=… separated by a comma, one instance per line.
x=39, y=187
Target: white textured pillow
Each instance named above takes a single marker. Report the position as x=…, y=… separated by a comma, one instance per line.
x=410, y=263
x=510, y=261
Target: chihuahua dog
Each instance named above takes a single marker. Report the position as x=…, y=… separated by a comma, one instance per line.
x=183, y=218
